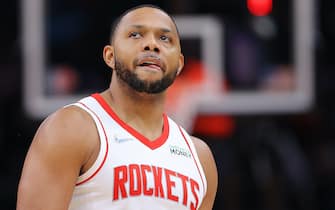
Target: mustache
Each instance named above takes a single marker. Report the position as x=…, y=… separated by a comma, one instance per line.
x=148, y=55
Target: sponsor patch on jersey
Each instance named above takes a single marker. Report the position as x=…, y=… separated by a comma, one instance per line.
x=176, y=150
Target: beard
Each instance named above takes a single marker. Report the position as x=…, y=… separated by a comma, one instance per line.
x=143, y=86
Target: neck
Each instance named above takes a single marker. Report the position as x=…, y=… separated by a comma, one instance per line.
x=141, y=111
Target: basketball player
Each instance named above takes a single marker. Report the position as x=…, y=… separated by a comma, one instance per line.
x=118, y=149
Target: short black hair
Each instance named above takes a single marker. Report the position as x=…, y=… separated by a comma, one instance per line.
x=118, y=19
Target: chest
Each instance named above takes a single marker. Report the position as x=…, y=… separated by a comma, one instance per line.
x=166, y=173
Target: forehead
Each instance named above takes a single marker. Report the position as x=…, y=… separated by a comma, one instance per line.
x=148, y=17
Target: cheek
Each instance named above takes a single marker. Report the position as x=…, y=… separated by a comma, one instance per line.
x=173, y=62
x=125, y=56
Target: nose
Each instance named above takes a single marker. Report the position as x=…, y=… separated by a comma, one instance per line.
x=151, y=44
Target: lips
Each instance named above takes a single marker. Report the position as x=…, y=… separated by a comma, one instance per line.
x=152, y=62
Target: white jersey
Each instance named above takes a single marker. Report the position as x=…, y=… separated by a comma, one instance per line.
x=132, y=172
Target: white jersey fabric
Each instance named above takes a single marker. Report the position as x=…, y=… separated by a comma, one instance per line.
x=131, y=172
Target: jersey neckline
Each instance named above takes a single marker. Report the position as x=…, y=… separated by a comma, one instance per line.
x=152, y=144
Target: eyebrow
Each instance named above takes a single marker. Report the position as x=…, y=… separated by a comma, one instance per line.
x=166, y=30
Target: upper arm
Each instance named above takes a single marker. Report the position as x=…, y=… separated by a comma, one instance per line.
x=53, y=162
x=209, y=166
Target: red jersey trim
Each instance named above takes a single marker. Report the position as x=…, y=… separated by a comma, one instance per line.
x=151, y=144
x=189, y=147
x=105, y=157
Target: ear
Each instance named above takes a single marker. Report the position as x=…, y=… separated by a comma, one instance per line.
x=181, y=63
x=108, y=55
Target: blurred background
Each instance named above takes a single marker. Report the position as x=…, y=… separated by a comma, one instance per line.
x=258, y=87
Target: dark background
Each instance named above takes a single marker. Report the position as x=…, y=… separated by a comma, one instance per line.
x=279, y=161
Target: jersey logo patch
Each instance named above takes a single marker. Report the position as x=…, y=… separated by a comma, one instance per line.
x=122, y=139
x=179, y=151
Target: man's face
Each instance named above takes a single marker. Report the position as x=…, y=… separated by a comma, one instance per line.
x=147, y=53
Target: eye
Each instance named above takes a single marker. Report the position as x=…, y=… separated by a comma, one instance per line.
x=165, y=38
x=135, y=35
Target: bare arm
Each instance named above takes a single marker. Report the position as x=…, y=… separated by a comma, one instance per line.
x=58, y=151
x=209, y=166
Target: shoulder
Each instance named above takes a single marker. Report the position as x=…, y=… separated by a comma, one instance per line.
x=68, y=131
x=205, y=154
x=61, y=146
x=68, y=121
x=208, y=164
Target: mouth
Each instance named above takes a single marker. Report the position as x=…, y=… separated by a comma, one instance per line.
x=151, y=63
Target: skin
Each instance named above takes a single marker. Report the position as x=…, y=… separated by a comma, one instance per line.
x=67, y=143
